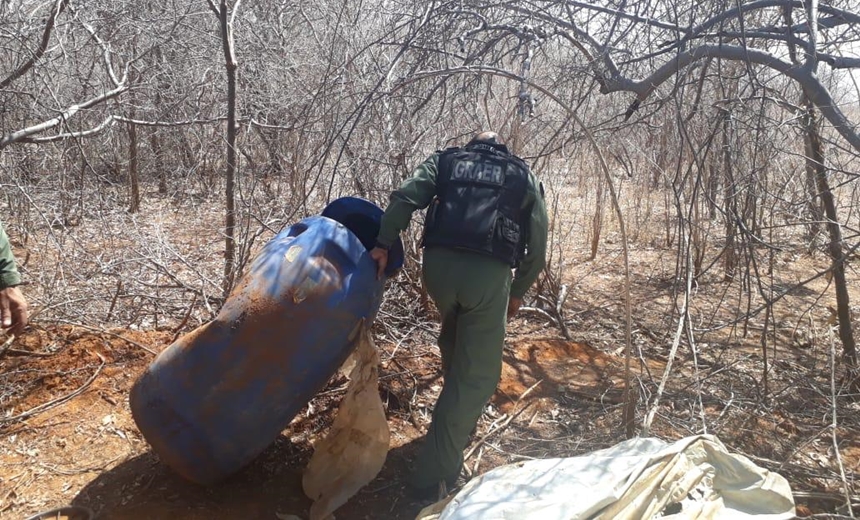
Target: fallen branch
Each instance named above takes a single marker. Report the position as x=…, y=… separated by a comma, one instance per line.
x=114, y=334
x=559, y=311
x=504, y=424
x=60, y=400
x=649, y=415
x=835, y=497
x=184, y=322
x=21, y=352
x=797, y=470
x=542, y=312
x=53, y=468
x=5, y=503
x=6, y=344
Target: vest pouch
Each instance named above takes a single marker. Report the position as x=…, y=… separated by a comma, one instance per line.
x=432, y=213
x=507, y=239
x=431, y=218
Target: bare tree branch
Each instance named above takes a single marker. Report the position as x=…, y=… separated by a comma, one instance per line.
x=64, y=116
x=828, y=22
x=105, y=52
x=810, y=84
x=43, y=46
x=847, y=16
x=108, y=122
x=69, y=135
x=627, y=16
x=839, y=62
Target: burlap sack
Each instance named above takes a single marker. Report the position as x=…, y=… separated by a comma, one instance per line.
x=354, y=450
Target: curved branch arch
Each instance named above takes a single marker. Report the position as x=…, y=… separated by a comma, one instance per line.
x=814, y=90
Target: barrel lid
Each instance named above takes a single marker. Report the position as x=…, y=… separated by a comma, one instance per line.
x=363, y=219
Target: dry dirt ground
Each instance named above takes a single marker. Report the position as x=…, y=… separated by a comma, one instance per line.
x=67, y=436
x=87, y=450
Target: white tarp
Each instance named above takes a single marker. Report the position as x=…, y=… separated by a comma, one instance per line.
x=695, y=478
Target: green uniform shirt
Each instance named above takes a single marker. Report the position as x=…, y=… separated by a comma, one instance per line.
x=9, y=276
x=417, y=192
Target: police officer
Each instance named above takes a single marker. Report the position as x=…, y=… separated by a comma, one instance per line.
x=487, y=216
x=13, y=306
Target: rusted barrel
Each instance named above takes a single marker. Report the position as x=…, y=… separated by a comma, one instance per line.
x=218, y=396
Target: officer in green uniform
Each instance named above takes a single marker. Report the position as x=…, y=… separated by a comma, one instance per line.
x=13, y=306
x=487, y=217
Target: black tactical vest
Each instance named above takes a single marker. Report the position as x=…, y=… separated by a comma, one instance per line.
x=478, y=206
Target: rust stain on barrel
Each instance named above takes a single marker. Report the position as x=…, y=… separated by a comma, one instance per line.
x=272, y=321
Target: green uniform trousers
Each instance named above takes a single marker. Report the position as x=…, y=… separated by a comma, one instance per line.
x=471, y=292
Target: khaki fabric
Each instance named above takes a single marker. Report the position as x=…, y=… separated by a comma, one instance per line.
x=353, y=452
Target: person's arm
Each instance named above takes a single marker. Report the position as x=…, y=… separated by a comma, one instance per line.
x=9, y=276
x=13, y=305
x=535, y=258
x=415, y=193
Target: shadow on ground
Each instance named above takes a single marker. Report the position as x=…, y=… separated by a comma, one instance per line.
x=142, y=488
x=270, y=487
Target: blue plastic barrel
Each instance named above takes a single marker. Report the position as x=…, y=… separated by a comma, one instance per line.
x=217, y=397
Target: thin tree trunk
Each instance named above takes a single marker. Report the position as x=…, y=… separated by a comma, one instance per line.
x=133, y=170
x=834, y=230
x=229, y=190
x=597, y=219
x=133, y=164
x=155, y=144
x=713, y=186
x=730, y=258
x=154, y=139
x=816, y=215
